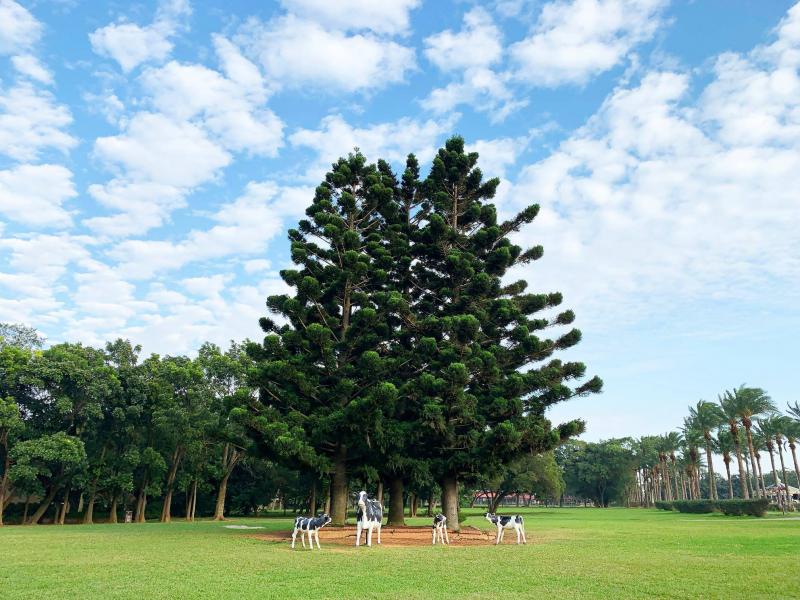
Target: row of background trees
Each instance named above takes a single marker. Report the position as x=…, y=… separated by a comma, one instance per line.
x=405, y=354
x=679, y=465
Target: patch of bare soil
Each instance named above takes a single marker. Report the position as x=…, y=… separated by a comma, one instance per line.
x=392, y=536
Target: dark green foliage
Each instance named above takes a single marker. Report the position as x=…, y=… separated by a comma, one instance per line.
x=695, y=506
x=735, y=507
x=661, y=505
x=598, y=471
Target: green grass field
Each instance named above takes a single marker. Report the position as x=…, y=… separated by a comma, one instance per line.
x=572, y=553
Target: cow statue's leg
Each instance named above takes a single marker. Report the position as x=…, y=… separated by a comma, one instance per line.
x=499, y=534
x=359, y=527
x=369, y=534
x=522, y=529
x=294, y=536
x=519, y=529
x=310, y=538
x=447, y=537
x=433, y=542
x=316, y=534
x=303, y=538
x=379, y=532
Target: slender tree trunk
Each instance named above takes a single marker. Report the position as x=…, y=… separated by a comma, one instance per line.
x=783, y=470
x=166, y=510
x=761, y=476
x=141, y=503
x=772, y=461
x=415, y=506
x=431, y=500
x=312, y=499
x=730, y=482
x=379, y=495
x=753, y=492
x=80, y=503
x=64, y=507
x=396, y=512
x=339, y=487
x=39, y=513
x=759, y=492
x=712, y=480
x=328, y=499
x=792, y=446
x=742, y=471
x=89, y=514
x=450, y=502
x=112, y=512
x=194, y=499
x=25, y=512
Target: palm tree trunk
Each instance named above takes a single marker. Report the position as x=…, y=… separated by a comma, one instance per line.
x=753, y=493
x=761, y=475
x=783, y=469
x=794, y=459
x=742, y=472
x=759, y=492
x=730, y=483
x=712, y=480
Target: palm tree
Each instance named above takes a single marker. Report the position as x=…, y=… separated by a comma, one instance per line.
x=767, y=428
x=751, y=402
x=706, y=417
x=730, y=407
x=793, y=435
x=781, y=425
x=725, y=446
x=667, y=445
x=759, y=443
x=692, y=440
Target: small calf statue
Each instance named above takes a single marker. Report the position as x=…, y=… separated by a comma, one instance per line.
x=369, y=517
x=440, y=529
x=310, y=525
x=502, y=523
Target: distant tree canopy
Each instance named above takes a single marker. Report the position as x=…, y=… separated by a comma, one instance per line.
x=600, y=471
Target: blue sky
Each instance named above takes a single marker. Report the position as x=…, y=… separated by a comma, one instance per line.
x=152, y=155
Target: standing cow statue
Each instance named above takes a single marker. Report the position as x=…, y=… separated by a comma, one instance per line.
x=440, y=529
x=310, y=526
x=369, y=517
x=514, y=522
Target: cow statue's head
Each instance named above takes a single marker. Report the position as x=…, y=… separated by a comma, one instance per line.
x=362, y=499
x=326, y=518
x=489, y=517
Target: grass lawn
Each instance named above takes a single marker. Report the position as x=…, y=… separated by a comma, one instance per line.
x=572, y=553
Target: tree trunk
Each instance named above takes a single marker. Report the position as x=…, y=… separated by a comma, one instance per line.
x=759, y=492
x=730, y=483
x=194, y=499
x=753, y=493
x=112, y=513
x=415, y=506
x=431, y=500
x=312, y=499
x=166, y=510
x=794, y=459
x=141, y=503
x=450, y=502
x=25, y=512
x=785, y=480
x=761, y=475
x=742, y=472
x=219, y=509
x=89, y=514
x=339, y=487
x=328, y=499
x=772, y=461
x=712, y=480
x=396, y=513
x=43, y=506
x=379, y=495
x=64, y=507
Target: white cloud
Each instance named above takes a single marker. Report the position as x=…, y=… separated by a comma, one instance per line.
x=574, y=40
x=207, y=287
x=34, y=194
x=481, y=89
x=391, y=141
x=478, y=44
x=387, y=16
x=131, y=45
x=30, y=66
x=300, y=53
x=231, y=108
x=141, y=205
x=257, y=265
x=31, y=121
x=243, y=227
x=661, y=199
x=157, y=149
x=496, y=155
x=19, y=29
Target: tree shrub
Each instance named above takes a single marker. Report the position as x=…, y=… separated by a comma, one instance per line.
x=665, y=505
x=756, y=507
x=695, y=506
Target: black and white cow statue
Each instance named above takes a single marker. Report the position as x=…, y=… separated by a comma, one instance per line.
x=514, y=522
x=310, y=526
x=369, y=517
x=440, y=529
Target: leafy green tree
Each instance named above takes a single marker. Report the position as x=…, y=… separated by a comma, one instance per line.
x=537, y=474
x=10, y=426
x=479, y=402
x=46, y=465
x=793, y=435
x=20, y=336
x=730, y=404
x=598, y=471
x=726, y=446
x=321, y=376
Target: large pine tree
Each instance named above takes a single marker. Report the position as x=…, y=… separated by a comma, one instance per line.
x=322, y=374
x=483, y=361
